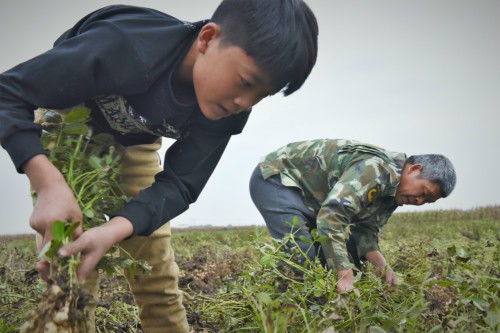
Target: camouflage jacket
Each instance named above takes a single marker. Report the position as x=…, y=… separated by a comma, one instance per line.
x=349, y=185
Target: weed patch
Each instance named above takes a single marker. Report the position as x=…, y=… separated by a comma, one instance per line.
x=238, y=280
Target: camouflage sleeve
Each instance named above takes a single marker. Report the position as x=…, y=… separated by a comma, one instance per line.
x=365, y=238
x=348, y=197
x=364, y=234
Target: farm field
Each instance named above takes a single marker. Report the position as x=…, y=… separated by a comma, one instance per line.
x=237, y=280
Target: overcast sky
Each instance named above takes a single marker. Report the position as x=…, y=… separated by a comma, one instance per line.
x=410, y=76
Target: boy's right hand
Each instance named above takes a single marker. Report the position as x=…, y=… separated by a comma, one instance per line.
x=55, y=201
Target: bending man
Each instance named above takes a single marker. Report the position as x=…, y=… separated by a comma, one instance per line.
x=346, y=190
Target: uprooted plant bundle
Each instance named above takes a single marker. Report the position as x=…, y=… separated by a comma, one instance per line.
x=62, y=304
x=90, y=164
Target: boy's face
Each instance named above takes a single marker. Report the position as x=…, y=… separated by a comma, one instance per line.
x=413, y=190
x=225, y=79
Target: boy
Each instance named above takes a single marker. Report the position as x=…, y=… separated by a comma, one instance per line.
x=147, y=75
x=346, y=190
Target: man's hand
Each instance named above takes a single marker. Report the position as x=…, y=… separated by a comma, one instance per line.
x=345, y=282
x=381, y=267
x=390, y=277
x=95, y=242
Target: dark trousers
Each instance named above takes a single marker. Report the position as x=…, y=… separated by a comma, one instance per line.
x=280, y=205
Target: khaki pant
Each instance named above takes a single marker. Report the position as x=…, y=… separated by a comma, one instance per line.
x=157, y=293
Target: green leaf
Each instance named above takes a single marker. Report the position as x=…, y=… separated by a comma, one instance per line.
x=52, y=248
x=76, y=129
x=127, y=262
x=492, y=318
x=445, y=283
x=78, y=115
x=89, y=213
x=266, y=260
x=305, y=239
x=95, y=162
x=480, y=303
x=314, y=233
x=58, y=230
x=318, y=292
x=264, y=298
x=46, y=139
x=109, y=270
x=320, y=283
x=103, y=139
x=70, y=228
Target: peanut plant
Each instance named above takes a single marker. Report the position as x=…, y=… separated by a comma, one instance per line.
x=90, y=165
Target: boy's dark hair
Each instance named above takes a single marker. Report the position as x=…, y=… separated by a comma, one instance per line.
x=281, y=36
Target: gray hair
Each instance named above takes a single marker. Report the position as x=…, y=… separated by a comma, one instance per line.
x=437, y=169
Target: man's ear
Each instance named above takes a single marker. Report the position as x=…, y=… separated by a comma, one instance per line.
x=210, y=32
x=415, y=168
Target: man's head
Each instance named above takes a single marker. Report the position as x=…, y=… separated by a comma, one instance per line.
x=425, y=179
x=251, y=49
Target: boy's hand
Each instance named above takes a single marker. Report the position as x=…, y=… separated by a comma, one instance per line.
x=55, y=201
x=95, y=242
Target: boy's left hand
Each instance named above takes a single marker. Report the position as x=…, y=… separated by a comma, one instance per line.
x=94, y=243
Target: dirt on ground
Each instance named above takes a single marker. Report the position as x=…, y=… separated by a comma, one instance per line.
x=201, y=276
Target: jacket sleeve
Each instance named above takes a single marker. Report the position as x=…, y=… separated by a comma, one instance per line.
x=105, y=53
x=66, y=75
x=188, y=165
x=364, y=234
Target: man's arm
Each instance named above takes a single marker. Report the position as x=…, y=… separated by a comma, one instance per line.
x=346, y=200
